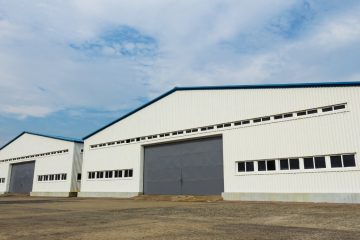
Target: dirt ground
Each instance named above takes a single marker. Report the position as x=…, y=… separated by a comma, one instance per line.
x=84, y=218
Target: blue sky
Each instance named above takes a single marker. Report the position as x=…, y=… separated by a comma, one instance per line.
x=69, y=67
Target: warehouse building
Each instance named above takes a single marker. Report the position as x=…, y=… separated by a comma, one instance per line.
x=282, y=142
x=41, y=165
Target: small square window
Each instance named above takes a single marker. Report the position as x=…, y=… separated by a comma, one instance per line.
x=220, y=126
x=288, y=115
x=118, y=174
x=180, y=132
x=162, y=135
x=276, y=117
x=188, y=131
x=203, y=129
x=336, y=161
x=284, y=164
x=294, y=163
x=194, y=130
x=245, y=122
x=210, y=127
x=108, y=174
x=39, y=178
x=57, y=177
x=52, y=177
x=349, y=160
x=308, y=163
x=261, y=166
x=249, y=166
x=174, y=133
x=265, y=119
x=241, y=166
x=271, y=165
x=99, y=174
x=46, y=177
x=78, y=177
x=63, y=176
x=127, y=173
x=227, y=125
x=320, y=162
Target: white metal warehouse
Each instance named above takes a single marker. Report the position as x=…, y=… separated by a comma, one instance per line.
x=282, y=142
x=41, y=165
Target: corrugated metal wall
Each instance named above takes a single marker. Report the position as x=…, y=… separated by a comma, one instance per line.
x=297, y=137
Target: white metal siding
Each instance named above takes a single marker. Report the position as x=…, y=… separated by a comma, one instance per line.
x=322, y=134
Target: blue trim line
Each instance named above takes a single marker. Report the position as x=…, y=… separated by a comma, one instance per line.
x=261, y=86
x=44, y=135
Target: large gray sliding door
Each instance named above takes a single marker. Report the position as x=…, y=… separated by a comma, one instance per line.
x=192, y=167
x=22, y=175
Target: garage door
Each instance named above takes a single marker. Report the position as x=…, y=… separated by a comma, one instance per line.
x=22, y=175
x=192, y=167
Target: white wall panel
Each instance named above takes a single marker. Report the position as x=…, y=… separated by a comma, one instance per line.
x=321, y=134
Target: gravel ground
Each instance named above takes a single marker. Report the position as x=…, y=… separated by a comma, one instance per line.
x=83, y=218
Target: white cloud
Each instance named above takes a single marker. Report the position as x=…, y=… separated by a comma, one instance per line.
x=198, y=42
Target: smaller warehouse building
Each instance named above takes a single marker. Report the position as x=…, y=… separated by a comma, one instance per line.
x=41, y=165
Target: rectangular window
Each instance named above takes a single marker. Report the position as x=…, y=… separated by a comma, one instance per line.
x=227, y=125
x=336, y=161
x=91, y=175
x=327, y=109
x=294, y=163
x=245, y=166
x=194, y=130
x=174, y=133
x=338, y=107
x=249, y=166
x=52, y=177
x=78, y=177
x=210, y=127
x=188, y=131
x=241, y=166
x=302, y=113
x=128, y=173
x=57, y=177
x=312, y=111
x=288, y=115
x=308, y=163
x=108, y=174
x=99, y=174
x=320, y=162
x=220, y=126
x=63, y=176
x=276, y=117
x=203, y=129
x=39, y=178
x=284, y=164
x=118, y=173
x=349, y=160
x=237, y=123
x=265, y=119
x=245, y=122
x=257, y=120
x=270, y=164
x=46, y=177
x=261, y=166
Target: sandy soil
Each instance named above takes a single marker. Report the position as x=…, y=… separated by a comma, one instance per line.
x=141, y=218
